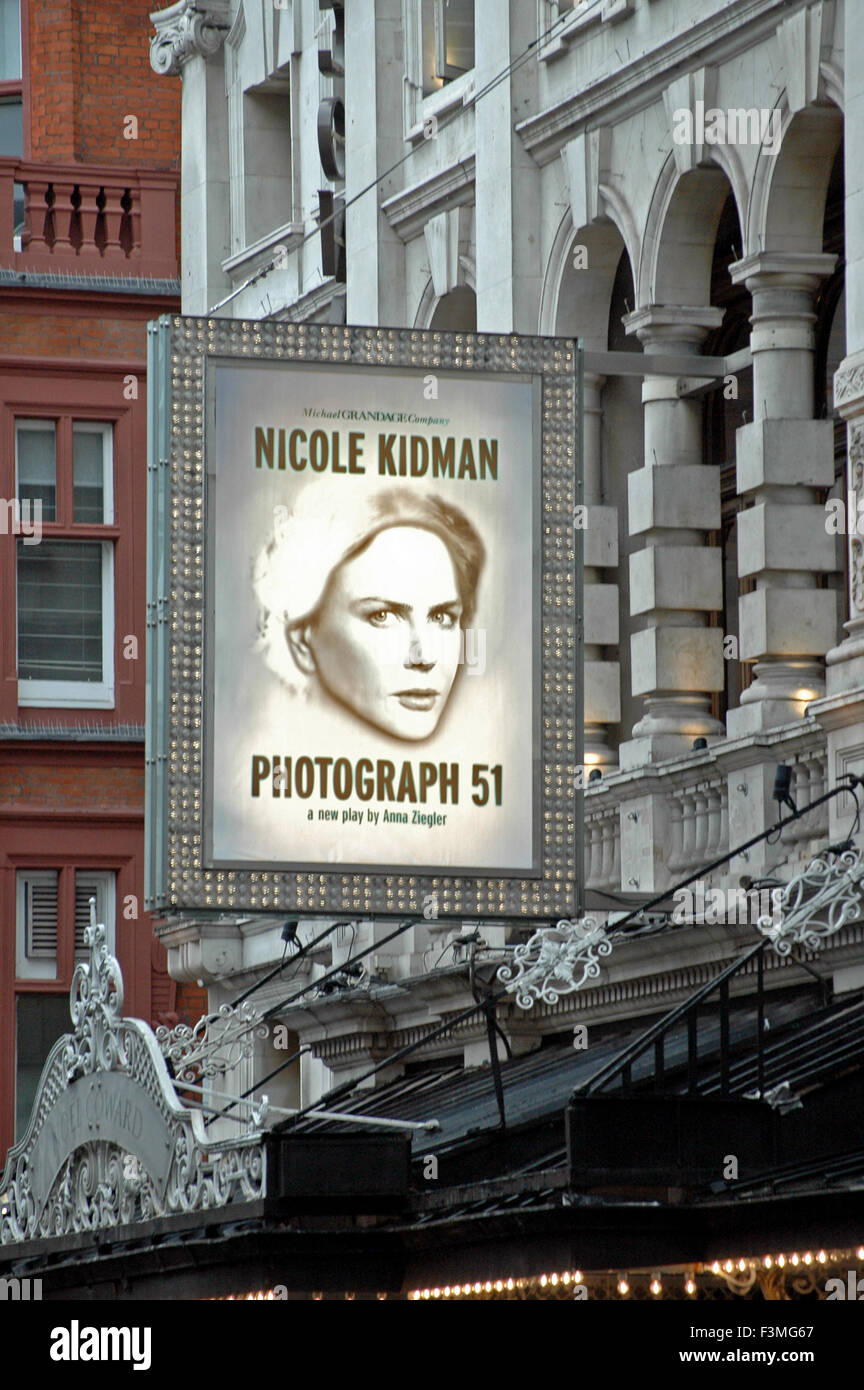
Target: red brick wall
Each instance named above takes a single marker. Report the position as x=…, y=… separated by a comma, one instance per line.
x=96, y=788
x=89, y=70
x=24, y=333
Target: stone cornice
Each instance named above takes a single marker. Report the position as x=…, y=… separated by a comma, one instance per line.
x=659, y=972
x=189, y=29
x=409, y=211
x=638, y=84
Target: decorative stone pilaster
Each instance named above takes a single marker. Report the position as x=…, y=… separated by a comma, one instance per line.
x=846, y=662
x=602, y=677
x=786, y=623
x=675, y=579
x=841, y=712
x=189, y=41
x=189, y=29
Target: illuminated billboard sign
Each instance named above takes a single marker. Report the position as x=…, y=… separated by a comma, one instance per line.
x=364, y=621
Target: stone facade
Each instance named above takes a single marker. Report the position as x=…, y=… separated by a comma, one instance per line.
x=673, y=177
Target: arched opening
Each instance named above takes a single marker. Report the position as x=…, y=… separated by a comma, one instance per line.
x=456, y=312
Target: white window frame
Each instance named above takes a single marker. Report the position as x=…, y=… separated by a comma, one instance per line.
x=82, y=694
x=107, y=433
x=27, y=423
x=439, y=15
x=419, y=108
x=45, y=968
x=79, y=694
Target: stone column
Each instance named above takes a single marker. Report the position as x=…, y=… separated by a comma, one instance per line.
x=783, y=455
x=189, y=40
x=508, y=179
x=374, y=76
x=602, y=678
x=675, y=579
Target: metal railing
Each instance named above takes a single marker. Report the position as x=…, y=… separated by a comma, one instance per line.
x=620, y=1068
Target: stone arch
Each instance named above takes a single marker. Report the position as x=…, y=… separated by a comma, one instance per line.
x=426, y=307
x=575, y=301
x=787, y=201
x=680, y=233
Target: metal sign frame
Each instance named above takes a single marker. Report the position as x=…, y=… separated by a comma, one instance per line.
x=179, y=876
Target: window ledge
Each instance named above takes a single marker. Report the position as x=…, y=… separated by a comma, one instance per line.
x=289, y=236
x=582, y=17
x=451, y=95
x=65, y=695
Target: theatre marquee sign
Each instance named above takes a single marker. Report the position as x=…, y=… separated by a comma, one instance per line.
x=363, y=599
x=109, y=1141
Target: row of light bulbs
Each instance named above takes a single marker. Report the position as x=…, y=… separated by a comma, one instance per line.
x=574, y=1277
x=571, y=1278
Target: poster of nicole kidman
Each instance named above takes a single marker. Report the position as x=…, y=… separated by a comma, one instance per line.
x=372, y=649
x=364, y=646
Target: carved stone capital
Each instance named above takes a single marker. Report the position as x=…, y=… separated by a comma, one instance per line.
x=849, y=386
x=189, y=29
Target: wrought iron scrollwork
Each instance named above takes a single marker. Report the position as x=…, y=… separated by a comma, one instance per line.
x=99, y=1182
x=816, y=903
x=556, y=960
x=216, y=1044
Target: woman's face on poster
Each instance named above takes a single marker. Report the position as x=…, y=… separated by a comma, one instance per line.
x=385, y=641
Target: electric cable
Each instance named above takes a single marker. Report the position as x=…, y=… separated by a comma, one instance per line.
x=338, y=1092
x=339, y=969
x=443, y=124
x=849, y=784
x=277, y=969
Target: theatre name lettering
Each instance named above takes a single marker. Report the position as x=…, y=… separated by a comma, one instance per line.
x=108, y=1106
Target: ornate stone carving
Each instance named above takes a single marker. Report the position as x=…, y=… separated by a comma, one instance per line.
x=848, y=384
x=189, y=29
x=856, y=496
x=109, y=1141
x=95, y=1003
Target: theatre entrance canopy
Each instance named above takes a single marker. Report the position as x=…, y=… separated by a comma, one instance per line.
x=364, y=622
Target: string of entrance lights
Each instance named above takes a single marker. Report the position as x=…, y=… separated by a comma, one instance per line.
x=743, y=1277
x=730, y=1277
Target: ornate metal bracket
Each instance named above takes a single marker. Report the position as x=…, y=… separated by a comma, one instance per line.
x=217, y=1043
x=813, y=906
x=817, y=903
x=557, y=960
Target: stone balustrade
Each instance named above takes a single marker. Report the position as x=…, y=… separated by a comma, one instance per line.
x=603, y=847
x=75, y=219
x=645, y=832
